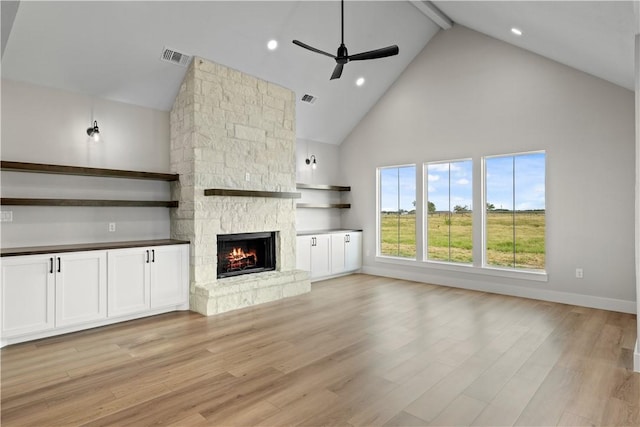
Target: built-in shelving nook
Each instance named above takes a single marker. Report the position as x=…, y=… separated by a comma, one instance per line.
x=323, y=187
x=85, y=171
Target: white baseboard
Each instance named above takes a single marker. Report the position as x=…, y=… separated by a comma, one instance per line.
x=590, y=301
x=636, y=356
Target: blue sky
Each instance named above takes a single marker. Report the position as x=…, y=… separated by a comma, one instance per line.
x=529, y=181
x=397, y=181
x=450, y=184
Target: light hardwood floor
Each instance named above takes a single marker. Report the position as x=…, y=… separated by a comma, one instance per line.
x=356, y=351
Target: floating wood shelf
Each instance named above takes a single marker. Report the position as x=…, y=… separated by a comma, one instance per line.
x=87, y=202
x=324, y=205
x=250, y=193
x=322, y=187
x=82, y=171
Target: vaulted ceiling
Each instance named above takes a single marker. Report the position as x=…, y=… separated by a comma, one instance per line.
x=112, y=49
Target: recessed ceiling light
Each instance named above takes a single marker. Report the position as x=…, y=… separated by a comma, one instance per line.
x=360, y=81
x=516, y=31
x=272, y=45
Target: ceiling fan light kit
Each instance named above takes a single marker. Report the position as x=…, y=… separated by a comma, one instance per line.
x=342, y=57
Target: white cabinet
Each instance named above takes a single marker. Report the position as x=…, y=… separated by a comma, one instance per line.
x=346, y=252
x=169, y=275
x=28, y=286
x=338, y=243
x=303, y=253
x=40, y=292
x=81, y=287
x=129, y=281
x=150, y=277
x=49, y=294
x=314, y=254
x=329, y=254
x=321, y=256
x=353, y=251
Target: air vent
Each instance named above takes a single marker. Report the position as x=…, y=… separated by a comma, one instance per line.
x=310, y=99
x=170, y=55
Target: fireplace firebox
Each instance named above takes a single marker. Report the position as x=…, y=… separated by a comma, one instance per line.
x=246, y=253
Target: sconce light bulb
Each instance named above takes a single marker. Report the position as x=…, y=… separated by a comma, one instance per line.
x=94, y=131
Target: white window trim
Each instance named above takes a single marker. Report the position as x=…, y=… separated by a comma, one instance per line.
x=425, y=207
x=484, y=211
x=378, y=219
x=521, y=274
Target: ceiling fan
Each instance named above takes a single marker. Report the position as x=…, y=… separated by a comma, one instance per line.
x=342, y=57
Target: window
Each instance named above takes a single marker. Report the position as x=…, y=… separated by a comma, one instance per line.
x=449, y=211
x=515, y=211
x=397, y=211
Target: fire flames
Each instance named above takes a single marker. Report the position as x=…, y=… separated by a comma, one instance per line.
x=239, y=253
x=237, y=258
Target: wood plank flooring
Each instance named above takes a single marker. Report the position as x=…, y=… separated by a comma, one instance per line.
x=356, y=351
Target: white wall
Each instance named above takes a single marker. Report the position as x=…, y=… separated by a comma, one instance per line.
x=636, y=5
x=326, y=172
x=468, y=95
x=43, y=125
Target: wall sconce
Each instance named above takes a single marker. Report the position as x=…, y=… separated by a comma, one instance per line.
x=312, y=161
x=94, y=132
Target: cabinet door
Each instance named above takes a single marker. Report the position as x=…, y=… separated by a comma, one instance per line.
x=338, y=242
x=303, y=253
x=353, y=252
x=128, y=281
x=321, y=256
x=27, y=294
x=81, y=287
x=169, y=275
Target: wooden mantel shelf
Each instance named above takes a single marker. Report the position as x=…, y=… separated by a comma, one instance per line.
x=82, y=171
x=251, y=193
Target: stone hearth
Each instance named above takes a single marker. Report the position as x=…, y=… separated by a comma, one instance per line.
x=234, y=131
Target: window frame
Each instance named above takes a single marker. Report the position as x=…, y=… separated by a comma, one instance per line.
x=425, y=209
x=484, y=229
x=379, y=253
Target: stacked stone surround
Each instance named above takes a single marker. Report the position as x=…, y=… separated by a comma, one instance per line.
x=227, y=126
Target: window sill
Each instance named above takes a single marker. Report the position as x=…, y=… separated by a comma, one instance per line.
x=536, y=276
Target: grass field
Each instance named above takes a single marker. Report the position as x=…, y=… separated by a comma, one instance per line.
x=450, y=238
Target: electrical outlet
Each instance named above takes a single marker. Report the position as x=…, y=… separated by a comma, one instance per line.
x=6, y=216
x=247, y=177
x=579, y=273
x=112, y=227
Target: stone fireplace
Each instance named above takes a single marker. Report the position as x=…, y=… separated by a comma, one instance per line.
x=233, y=131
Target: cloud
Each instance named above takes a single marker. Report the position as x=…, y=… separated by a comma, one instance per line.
x=433, y=178
x=443, y=167
x=463, y=181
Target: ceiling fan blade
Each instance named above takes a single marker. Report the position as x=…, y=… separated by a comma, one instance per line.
x=337, y=72
x=313, y=49
x=375, y=54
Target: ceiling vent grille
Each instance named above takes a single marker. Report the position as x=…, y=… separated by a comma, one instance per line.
x=170, y=55
x=310, y=99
